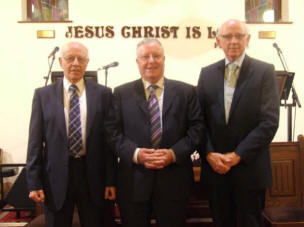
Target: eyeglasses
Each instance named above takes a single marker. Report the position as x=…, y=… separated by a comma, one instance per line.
x=147, y=57
x=237, y=36
x=70, y=59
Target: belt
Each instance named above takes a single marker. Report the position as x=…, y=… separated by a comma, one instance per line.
x=77, y=157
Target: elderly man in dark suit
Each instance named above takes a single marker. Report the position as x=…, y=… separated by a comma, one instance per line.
x=240, y=104
x=155, y=124
x=68, y=161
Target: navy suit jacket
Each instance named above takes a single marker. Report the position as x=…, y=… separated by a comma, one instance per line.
x=48, y=160
x=129, y=128
x=252, y=124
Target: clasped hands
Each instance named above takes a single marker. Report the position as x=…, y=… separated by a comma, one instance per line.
x=155, y=158
x=222, y=163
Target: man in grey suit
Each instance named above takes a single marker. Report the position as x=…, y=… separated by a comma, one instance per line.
x=154, y=126
x=240, y=104
x=68, y=161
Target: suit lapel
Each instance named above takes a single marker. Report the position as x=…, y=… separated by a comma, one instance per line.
x=241, y=84
x=91, y=97
x=219, y=81
x=168, y=96
x=141, y=97
x=59, y=108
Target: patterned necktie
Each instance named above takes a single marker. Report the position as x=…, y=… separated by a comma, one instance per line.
x=232, y=75
x=75, y=137
x=154, y=117
x=230, y=83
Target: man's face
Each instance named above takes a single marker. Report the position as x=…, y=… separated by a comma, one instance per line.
x=233, y=39
x=151, y=62
x=74, y=61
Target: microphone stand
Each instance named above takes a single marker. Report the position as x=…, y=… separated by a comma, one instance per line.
x=50, y=70
x=106, y=74
x=106, y=67
x=295, y=98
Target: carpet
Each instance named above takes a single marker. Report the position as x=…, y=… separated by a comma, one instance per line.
x=11, y=216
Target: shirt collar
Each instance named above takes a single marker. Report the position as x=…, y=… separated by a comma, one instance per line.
x=67, y=84
x=159, y=83
x=238, y=61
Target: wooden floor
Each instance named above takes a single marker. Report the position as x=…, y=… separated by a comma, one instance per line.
x=12, y=224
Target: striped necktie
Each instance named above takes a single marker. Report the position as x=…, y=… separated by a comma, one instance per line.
x=75, y=137
x=154, y=117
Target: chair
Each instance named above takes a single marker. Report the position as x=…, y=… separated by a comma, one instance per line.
x=88, y=75
x=17, y=196
x=4, y=172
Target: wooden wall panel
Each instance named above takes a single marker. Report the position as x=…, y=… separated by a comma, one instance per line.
x=287, y=170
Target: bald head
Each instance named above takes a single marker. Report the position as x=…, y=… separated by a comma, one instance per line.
x=239, y=23
x=74, y=44
x=233, y=38
x=74, y=60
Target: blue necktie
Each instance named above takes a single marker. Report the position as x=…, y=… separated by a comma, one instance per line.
x=154, y=117
x=75, y=137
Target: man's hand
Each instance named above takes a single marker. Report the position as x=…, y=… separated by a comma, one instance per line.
x=231, y=159
x=165, y=156
x=150, y=158
x=37, y=196
x=216, y=161
x=154, y=159
x=143, y=155
x=110, y=193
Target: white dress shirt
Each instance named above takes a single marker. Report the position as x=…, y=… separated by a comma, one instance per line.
x=159, y=93
x=83, y=108
x=228, y=90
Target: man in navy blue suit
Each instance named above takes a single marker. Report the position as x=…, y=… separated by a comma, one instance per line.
x=240, y=104
x=57, y=175
x=155, y=169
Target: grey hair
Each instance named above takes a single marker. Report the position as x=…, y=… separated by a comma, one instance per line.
x=149, y=40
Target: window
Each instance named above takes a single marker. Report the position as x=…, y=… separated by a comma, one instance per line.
x=263, y=11
x=47, y=10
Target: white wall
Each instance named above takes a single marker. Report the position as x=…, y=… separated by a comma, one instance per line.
x=24, y=57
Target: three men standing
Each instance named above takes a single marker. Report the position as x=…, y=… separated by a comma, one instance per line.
x=153, y=127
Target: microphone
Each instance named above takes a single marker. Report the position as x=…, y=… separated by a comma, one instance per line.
x=52, y=54
x=113, y=64
x=275, y=45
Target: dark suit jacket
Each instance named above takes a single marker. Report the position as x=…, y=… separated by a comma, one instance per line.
x=129, y=128
x=48, y=160
x=252, y=123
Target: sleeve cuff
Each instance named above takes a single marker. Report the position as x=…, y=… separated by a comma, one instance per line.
x=173, y=155
x=135, y=155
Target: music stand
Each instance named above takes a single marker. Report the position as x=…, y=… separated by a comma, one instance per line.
x=88, y=75
x=284, y=83
x=285, y=80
